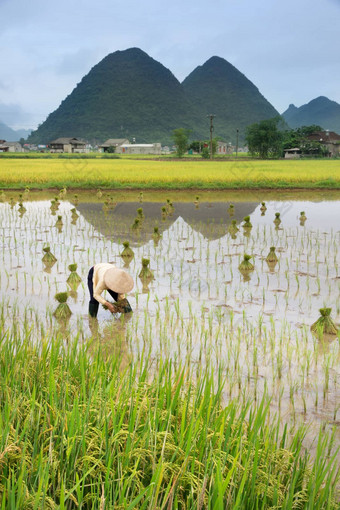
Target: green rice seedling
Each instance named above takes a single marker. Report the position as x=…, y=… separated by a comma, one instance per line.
x=197, y=201
x=272, y=257
x=302, y=218
x=141, y=196
x=140, y=214
x=127, y=254
x=48, y=258
x=136, y=225
x=146, y=275
x=156, y=236
x=247, y=223
x=62, y=312
x=169, y=207
x=324, y=324
x=277, y=220
x=99, y=193
x=74, y=279
x=76, y=199
x=246, y=266
x=231, y=210
x=54, y=205
x=62, y=192
x=21, y=209
x=59, y=223
x=111, y=203
x=74, y=216
x=247, y=226
x=233, y=229
x=164, y=212
x=263, y=208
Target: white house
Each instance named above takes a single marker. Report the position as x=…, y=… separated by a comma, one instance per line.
x=139, y=148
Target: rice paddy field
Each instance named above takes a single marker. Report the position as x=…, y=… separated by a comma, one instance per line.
x=220, y=390
x=138, y=174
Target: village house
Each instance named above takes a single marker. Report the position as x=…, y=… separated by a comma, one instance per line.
x=222, y=147
x=294, y=153
x=10, y=146
x=139, y=148
x=328, y=138
x=113, y=142
x=68, y=145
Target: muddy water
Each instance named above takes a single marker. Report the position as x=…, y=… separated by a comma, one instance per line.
x=200, y=308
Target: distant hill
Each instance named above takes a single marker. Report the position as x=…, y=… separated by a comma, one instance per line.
x=129, y=94
x=11, y=135
x=218, y=88
x=320, y=111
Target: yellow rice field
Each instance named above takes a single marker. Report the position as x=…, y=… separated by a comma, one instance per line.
x=120, y=173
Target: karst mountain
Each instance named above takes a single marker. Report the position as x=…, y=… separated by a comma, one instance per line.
x=128, y=94
x=320, y=111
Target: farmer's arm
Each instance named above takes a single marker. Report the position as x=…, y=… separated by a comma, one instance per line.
x=97, y=291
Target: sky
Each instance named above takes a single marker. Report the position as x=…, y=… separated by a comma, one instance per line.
x=289, y=50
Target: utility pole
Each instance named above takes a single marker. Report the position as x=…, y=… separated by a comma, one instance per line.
x=236, y=142
x=211, y=132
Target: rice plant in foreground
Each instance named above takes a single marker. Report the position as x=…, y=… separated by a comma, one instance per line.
x=78, y=432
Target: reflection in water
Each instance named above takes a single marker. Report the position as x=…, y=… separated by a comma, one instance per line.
x=211, y=220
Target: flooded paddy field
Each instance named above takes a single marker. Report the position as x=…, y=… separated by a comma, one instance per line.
x=201, y=308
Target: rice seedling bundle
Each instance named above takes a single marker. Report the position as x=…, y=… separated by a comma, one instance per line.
x=62, y=312
x=233, y=229
x=325, y=323
x=247, y=224
x=74, y=279
x=246, y=266
x=277, y=220
x=272, y=257
x=48, y=258
x=127, y=253
x=146, y=274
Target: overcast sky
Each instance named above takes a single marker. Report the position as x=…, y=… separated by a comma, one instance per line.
x=288, y=49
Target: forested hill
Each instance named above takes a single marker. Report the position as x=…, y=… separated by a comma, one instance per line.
x=129, y=94
x=320, y=111
x=217, y=87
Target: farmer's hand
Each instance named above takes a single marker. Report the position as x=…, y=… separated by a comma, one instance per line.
x=111, y=307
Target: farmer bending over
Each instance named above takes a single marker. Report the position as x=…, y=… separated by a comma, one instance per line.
x=117, y=282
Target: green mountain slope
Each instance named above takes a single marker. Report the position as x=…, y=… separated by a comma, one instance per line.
x=218, y=88
x=320, y=111
x=128, y=94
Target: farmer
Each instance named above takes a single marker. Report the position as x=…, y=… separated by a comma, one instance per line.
x=117, y=282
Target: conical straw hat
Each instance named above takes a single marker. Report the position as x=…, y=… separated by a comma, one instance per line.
x=118, y=280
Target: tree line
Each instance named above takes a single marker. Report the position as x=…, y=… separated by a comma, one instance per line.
x=265, y=139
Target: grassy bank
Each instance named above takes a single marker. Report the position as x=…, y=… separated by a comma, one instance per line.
x=120, y=173
x=78, y=431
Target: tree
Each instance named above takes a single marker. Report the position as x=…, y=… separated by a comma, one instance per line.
x=265, y=138
x=180, y=137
